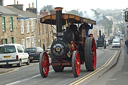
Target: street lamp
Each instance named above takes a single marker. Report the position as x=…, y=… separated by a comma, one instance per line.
x=37, y=24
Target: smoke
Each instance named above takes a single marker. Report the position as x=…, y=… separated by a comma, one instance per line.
x=92, y=14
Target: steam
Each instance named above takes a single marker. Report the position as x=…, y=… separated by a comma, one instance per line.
x=92, y=15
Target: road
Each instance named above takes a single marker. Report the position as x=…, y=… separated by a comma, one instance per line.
x=29, y=75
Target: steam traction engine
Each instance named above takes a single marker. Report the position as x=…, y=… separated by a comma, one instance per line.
x=72, y=47
x=101, y=41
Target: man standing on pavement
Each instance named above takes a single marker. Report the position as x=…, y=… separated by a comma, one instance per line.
x=126, y=43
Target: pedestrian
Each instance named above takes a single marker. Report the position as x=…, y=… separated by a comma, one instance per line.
x=43, y=46
x=126, y=43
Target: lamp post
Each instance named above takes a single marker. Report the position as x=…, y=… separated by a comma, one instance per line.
x=37, y=24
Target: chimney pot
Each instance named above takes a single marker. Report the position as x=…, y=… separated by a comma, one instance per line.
x=29, y=5
x=1, y=3
x=33, y=5
x=17, y=2
x=14, y=1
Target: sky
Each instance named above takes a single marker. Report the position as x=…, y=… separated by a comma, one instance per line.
x=74, y=4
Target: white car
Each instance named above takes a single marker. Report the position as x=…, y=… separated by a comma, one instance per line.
x=116, y=43
x=13, y=54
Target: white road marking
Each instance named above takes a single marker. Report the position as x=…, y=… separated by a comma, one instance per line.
x=16, y=82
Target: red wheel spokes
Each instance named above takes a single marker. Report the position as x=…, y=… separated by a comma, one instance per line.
x=45, y=64
x=77, y=63
x=93, y=49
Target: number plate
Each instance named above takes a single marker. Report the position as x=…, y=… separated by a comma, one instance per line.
x=6, y=56
x=31, y=57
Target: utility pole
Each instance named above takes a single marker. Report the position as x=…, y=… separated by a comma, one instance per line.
x=37, y=24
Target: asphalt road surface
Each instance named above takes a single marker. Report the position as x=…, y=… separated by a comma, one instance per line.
x=30, y=75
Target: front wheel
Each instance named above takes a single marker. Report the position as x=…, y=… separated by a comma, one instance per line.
x=44, y=65
x=20, y=63
x=56, y=68
x=76, y=63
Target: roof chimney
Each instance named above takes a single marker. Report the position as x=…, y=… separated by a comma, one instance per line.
x=29, y=5
x=33, y=5
x=14, y=1
x=17, y=2
x=1, y=3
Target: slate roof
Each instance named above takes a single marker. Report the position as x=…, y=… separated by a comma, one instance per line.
x=5, y=11
x=22, y=14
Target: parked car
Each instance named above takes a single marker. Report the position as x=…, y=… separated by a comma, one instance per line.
x=34, y=53
x=116, y=43
x=13, y=54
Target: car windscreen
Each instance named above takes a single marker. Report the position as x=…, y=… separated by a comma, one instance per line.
x=116, y=42
x=30, y=49
x=7, y=49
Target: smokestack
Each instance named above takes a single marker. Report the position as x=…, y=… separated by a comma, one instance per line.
x=14, y=1
x=1, y=3
x=33, y=5
x=59, y=19
x=99, y=33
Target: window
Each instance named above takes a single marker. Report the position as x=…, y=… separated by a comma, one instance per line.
x=20, y=49
x=27, y=26
x=32, y=25
x=22, y=27
x=5, y=41
x=33, y=41
x=23, y=43
x=7, y=49
x=11, y=23
x=12, y=40
x=28, y=42
x=3, y=24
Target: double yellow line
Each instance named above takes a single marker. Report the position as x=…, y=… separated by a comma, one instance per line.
x=94, y=72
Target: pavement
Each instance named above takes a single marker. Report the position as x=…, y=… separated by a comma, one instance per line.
x=5, y=70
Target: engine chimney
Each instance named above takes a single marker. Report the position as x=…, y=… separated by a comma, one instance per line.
x=99, y=33
x=1, y=2
x=59, y=20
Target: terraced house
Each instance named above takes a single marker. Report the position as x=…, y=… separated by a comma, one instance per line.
x=20, y=26
x=9, y=27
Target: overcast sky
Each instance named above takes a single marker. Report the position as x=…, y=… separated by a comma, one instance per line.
x=74, y=4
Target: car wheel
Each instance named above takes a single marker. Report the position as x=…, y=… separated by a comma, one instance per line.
x=1, y=66
x=28, y=62
x=19, y=64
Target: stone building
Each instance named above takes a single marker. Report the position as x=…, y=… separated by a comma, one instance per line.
x=20, y=27
x=8, y=31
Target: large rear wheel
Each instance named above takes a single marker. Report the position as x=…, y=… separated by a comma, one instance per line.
x=76, y=63
x=44, y=65
x=90, y=54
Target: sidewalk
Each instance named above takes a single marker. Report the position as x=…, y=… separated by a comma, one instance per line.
x=5, y=69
